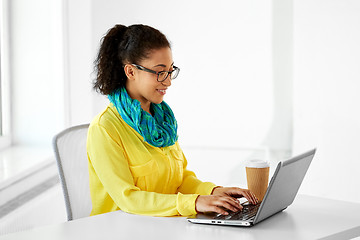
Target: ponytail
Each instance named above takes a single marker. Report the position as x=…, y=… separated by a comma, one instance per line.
x=123, y=45
x=109, y=62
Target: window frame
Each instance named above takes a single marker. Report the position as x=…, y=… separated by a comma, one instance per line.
x=5, y=114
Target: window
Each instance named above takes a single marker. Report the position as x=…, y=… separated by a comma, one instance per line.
x=1, y=70
x=4, y=76
x=1, y=132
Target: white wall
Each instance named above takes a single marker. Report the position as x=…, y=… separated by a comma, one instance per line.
x=36, y=71
x=326, y=94
x=79, y=61
x=280, y=133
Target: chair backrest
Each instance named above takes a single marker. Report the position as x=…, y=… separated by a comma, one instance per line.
x=71, y=157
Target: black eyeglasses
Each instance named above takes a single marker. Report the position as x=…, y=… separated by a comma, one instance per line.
x=162, y=75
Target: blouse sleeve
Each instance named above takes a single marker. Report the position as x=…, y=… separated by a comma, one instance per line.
x=111, y=168
x=191, y=184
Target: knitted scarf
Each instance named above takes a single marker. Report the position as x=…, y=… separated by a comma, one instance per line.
x=159, y=130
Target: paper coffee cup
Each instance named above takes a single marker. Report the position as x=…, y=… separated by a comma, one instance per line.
x=257, y=174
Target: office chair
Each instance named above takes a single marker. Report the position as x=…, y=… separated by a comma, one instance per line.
x=71, y=157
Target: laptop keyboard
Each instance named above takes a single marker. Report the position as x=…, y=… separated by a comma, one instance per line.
x=248, y=212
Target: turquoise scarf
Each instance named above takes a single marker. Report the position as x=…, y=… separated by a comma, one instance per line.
x=159, y=130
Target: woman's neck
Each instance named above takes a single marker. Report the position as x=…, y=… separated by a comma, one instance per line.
x=145, y=105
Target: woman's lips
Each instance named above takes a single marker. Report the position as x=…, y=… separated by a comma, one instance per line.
x=161, y=91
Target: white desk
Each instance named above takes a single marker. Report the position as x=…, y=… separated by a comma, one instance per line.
x=293, y=223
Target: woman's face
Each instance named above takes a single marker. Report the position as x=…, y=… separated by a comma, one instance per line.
x=143, y=86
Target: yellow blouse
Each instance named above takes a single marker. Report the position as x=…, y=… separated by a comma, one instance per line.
x=128, y=174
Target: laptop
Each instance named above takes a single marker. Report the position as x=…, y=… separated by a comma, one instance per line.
x=280, y=193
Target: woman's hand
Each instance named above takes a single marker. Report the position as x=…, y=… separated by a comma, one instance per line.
x=236, y=193
x=223, y=198
x=217, y=203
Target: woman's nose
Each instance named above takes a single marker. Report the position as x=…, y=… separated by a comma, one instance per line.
x=167, y=81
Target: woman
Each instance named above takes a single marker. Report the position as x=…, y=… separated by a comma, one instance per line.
x=135, y=162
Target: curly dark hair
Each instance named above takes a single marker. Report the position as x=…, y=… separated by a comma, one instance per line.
x=122, y=45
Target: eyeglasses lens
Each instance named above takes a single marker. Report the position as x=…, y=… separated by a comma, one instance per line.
x=175, y=73
x=163, y=75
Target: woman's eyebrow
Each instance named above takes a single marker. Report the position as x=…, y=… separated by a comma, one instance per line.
x=162, y=65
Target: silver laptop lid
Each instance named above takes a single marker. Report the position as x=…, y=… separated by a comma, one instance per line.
x=284, y=185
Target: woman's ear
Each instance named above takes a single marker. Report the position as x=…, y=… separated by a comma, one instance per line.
x=129, y=71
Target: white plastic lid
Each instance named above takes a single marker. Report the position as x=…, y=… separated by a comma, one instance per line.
x=257, y=163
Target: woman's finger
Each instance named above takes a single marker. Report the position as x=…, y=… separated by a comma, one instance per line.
x=231, y=207
x=245, y=193
x=218, y=210
x=251, y=197
x=230, y=203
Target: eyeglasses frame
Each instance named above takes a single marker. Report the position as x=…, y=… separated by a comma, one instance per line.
x=157, y=73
